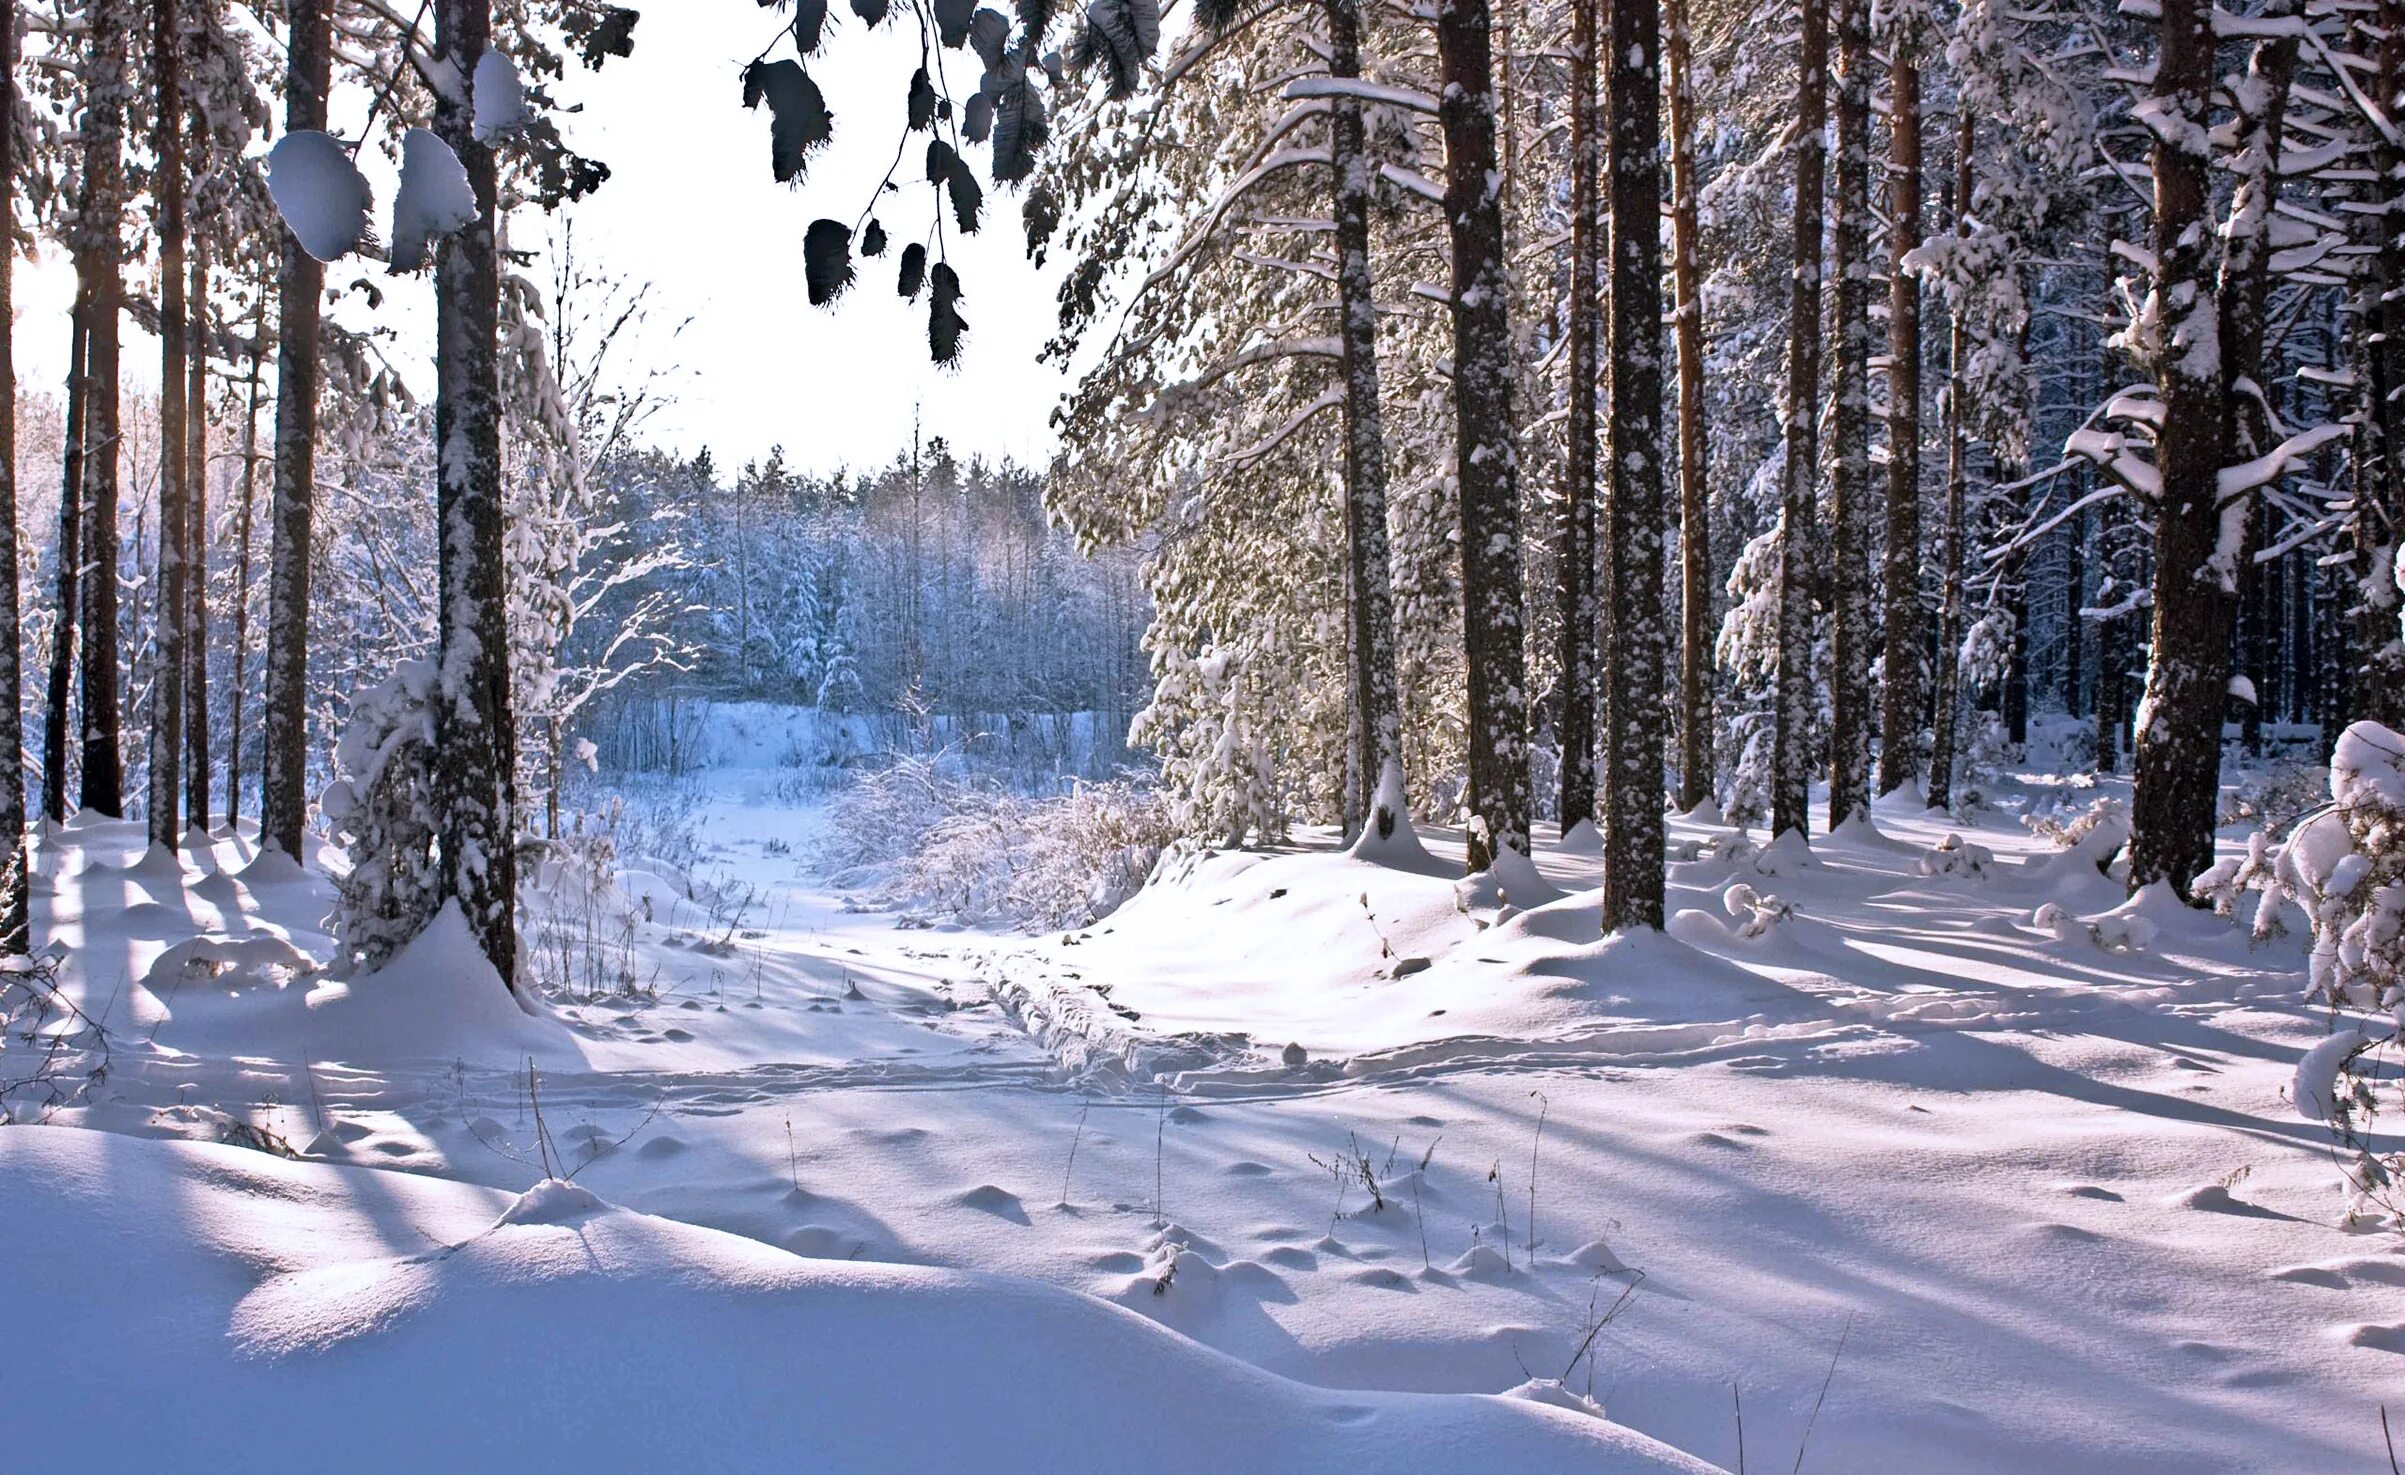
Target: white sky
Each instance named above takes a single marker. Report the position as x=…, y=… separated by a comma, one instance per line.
x=691, y=208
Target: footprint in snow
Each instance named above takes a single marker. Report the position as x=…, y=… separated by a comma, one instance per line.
x=1246, y=1169
x=660, y=1147
x=2377, y=1337
x=1291, y=1257
x=2090, y=1190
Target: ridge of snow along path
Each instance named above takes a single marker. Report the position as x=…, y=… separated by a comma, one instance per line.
x=212, y=1308
x=2029, y=1141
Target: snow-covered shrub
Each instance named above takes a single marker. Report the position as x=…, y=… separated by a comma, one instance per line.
x=51, y=1052
x=577, y=927
x=2344, y=866
x=2277, y=797
x=381, y=811
x=920, y=840
x=1753, y=913
x=883, y=814
x=1955, y=856
x=2070, y=826
x=1987, y=756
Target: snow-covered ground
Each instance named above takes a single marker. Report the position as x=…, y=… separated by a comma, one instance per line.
x=1946, y=1162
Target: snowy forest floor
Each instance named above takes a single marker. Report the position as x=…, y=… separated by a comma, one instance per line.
x=1950, y=1184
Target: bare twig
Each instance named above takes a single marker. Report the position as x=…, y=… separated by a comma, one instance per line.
x=1824, y=1393
x=1079, y=1136
x=1737, y=1400
x=1529, y=1235
x=1595, y=1328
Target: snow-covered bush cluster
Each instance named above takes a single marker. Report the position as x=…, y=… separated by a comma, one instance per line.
x=920, y=839
x=1955, y=856
x=2344, y=866
x=381, y=812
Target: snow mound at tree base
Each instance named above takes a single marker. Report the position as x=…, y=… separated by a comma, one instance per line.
x=221, y=1309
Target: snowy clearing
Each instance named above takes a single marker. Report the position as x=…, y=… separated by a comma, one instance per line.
x=2042, y=1182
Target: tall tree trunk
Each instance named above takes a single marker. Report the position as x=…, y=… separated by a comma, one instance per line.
x=2304, y=622
x=2262, y=108
x=1640, y=635
x=300, y=282
x=1905, y=663
x=196, y=557
x=2177, y=792
x=166, y=810
x=1946, y=682
x=16, y=928
x=1377, y=709
x=2254, y=632
x=1577, y=577
x=2015, y=697
x=57, y=713
x=1486, y=462
x=475, y=740
x=2075, y=629
x=1791, y=717
x=99, y=266
x=2377, y=341
x=1696, y=583
x=1852, y=631
x=242, y=573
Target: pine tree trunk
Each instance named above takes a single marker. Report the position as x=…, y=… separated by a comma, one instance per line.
x=242, y=574
x=2254, y=632
x=475, y=740
x=1852, y=633
x=2245, y=290
x=2177, y=793
x=1576, y=572
x=300, y=282
x=1905, y=663
x=16, y=933
x=196, y=558
x=1946, y=674
x=2304, y=622
x=99, y=265
x=2075, y=629
x=166, y=811
x=1640, y=637
x=2377, y=343
x=1696, y=582
x=1791, y=717
x=1485, y=460
x=1378, y=716
x=2015, y=696
x=57, y=711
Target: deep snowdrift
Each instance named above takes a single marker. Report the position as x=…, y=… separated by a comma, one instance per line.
x=215, y=1308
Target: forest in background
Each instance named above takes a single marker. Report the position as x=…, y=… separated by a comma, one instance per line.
x=1473, y=417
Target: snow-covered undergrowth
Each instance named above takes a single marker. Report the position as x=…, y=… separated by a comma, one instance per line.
x=917, y=837
x=2021, y=1145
